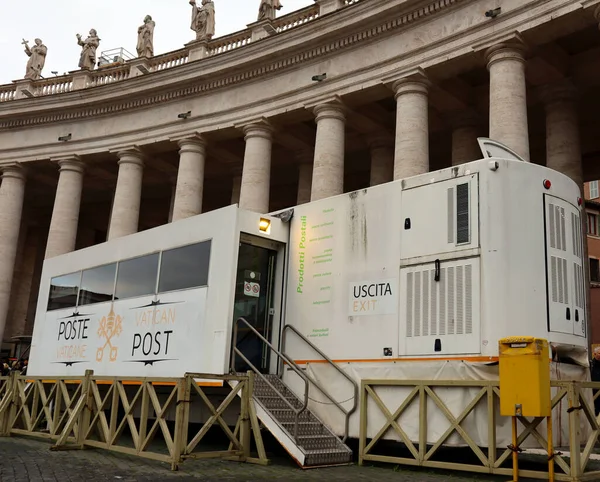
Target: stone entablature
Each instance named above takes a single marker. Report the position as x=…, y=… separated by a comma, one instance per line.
x=395, y=37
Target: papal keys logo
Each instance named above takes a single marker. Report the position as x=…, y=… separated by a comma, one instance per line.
x=111, y=327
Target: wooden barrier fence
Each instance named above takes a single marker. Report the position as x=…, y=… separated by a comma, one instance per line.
x=494, y=460
x=92, y=411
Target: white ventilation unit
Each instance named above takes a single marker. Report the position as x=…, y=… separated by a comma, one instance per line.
x=564, y=267
x=440, y=307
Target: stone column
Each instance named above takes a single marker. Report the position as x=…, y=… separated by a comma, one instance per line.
x=236, y=187
x=256, y=173
x=190, y=178
x=465, y=147
x=125, y=214
x=411, y=156
x=65, y=215
x=12, y=192
x=328, y=168
x=305, y=173
x=508, y=97
x=563, y=146
x=382, y=159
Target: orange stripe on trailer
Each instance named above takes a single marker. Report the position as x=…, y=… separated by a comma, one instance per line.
x=130, y=382
x=475, y=359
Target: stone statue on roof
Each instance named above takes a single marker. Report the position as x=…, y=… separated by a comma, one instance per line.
x=267, y=9
x=87, y=59
x=37, y=59
x=203, y=19
x=145, y=43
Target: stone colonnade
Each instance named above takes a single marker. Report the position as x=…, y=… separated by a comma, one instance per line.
x=321, y=172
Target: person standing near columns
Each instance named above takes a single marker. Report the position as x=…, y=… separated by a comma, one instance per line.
x=508, y=96
x=65, y=215
x=382, y=158
x=328, y=167
x=256, y=173
x=12, y=192
x=125, y=215
x=563, y=146
x=465, y=128
x=190, y=178
x=305, y=173
x=411, y=156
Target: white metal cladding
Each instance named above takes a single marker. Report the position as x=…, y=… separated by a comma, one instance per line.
x=446, y=309
x=564, y=263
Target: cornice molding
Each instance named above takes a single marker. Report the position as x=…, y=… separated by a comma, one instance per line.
x=344, y=42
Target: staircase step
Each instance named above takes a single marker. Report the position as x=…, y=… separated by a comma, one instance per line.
x=319, y=442
x=306, y=428
x=327, y=457
x=272, y=402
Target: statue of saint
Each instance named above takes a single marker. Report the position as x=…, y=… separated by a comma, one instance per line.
x=267, y=9
x=87, y=60
x=145, y=43
x=37, y=59
x=203, y=19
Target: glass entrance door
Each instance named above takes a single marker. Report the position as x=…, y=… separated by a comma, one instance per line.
x=254, y=302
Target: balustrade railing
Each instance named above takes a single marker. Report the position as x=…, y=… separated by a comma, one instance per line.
x=221, y=45
x=8, y=92
x=169, y=60
x=55, y=85
x=229, y=42
x=295, y=19
x=108, y=76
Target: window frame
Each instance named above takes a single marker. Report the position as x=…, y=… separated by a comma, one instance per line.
x=594, y=192
x=592, y=220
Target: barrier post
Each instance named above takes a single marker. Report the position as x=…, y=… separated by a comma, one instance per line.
x=5, y=405
x=84, y=417
x=181, y=420
x=574, y=430
x=245, y=429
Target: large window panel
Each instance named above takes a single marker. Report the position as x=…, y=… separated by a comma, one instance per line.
x=137, y=277
x=97, y=284
x=185, y=267
x=63, y=291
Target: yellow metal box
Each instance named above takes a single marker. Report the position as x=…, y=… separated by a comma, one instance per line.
x=525, y=377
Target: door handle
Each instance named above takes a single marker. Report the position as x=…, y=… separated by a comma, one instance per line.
x=568, y=313
x=437, y=270
x=576, y=315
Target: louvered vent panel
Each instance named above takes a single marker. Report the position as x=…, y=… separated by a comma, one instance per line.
x=553, y=276
x=574, y=234
x=565, y=280
x=462, y=214
x=434, y=299
x=450, y=307
x=563, y=231
x=460, y=300
x=468, y=299
x=551, y=218
x=425, y=321
x=417, y=319
x=450, y=215
x=409, y=304
x=442, y=309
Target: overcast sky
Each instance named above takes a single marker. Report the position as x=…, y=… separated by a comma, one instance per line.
x=57, y=21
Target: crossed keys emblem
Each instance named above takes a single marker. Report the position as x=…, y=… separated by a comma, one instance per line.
x=110, y=326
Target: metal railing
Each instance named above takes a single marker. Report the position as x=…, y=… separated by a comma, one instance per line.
x=347, y=413
x=296, y=369
x=235, y=351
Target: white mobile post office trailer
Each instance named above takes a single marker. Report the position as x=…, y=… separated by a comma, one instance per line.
x=414, y=279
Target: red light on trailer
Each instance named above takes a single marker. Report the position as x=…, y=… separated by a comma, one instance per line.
x=579, y=201
x=547, y=184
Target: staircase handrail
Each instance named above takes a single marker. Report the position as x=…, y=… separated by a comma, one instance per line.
x=293, y=365
x=347, y=413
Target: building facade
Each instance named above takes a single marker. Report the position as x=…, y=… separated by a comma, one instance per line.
x=329, y=99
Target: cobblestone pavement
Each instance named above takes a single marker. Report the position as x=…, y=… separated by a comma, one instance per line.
x=27, y=460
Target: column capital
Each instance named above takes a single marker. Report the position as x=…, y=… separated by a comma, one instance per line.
x=196, y=143
x=557, y=93
x=412, y=84
x=69, y=163
x=261, y=128
x=510, y=50
x=334, y=109
x=130, y=155
x=380, y=139
x=15, y=171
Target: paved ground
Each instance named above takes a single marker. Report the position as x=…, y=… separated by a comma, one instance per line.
x=28, y=460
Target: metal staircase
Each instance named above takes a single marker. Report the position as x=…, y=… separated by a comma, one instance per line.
x=303, y=435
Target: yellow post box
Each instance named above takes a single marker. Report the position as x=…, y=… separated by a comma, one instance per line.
x=525, y=377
